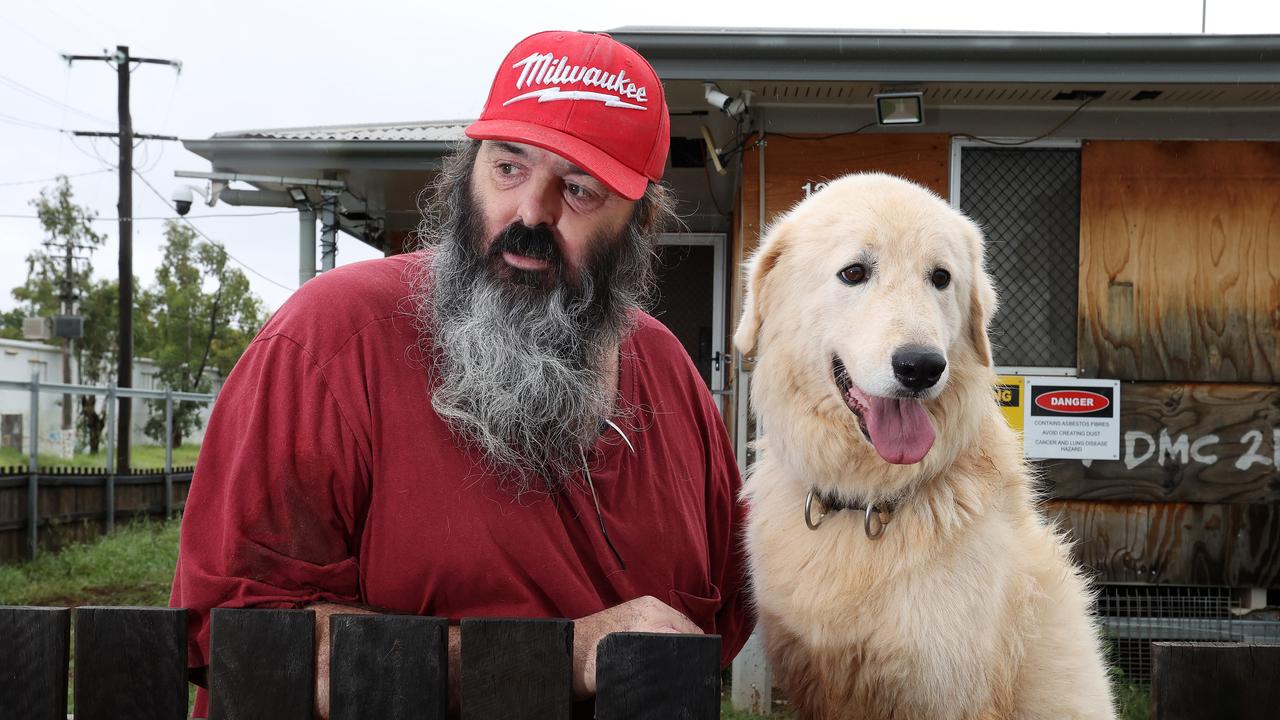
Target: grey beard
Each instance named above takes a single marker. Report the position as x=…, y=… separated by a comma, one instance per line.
x=520, y=371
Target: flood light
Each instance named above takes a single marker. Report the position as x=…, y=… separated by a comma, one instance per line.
x=900, y=108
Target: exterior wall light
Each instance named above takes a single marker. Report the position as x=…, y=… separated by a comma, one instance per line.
x=904, y=108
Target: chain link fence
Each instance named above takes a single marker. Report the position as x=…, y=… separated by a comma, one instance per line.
x=1134, y=616
x=1027, y=201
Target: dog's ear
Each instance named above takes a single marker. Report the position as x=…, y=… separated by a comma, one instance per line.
x=982, y=300
x=762, y=262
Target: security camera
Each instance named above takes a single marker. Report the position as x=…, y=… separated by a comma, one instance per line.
x=181, y=198
x=734, y=107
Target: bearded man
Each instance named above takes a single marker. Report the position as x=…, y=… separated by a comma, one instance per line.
x=490, y=426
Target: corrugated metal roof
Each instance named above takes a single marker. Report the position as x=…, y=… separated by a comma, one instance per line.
x=758, y=55
x=437, y=131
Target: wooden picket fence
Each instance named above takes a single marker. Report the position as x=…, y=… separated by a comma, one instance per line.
x=131, y=663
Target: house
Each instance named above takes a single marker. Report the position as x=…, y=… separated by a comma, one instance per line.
x=21, y=360
x=1130, y=190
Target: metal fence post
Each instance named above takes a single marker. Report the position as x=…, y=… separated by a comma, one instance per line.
x=33, y=466
x=168, y=453
x=111, y=458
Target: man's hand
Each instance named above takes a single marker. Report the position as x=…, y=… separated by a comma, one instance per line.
x=643, y=614
x=323, y=611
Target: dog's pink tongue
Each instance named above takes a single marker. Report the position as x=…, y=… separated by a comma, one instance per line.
x=900, y=429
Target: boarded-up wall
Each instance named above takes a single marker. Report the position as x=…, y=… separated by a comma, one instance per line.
x=1174, y=543
x=1180, y=261
x=792, y=162
x=1197, y=443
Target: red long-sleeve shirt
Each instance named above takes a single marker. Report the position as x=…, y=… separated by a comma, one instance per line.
x=326, y=476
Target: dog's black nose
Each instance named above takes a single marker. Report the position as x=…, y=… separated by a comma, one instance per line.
x=918, y=368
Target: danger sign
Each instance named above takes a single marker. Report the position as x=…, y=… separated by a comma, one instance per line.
x=1009, y=398
x=1066, y=418
x=1069, y=401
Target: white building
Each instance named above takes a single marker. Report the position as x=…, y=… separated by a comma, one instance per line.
x=20, y=359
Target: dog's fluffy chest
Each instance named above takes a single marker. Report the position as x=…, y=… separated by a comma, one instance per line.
x=913, y=613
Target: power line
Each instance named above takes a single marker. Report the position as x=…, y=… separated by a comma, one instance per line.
x=16, y=216
x=52, y=179
x=210, y=240
x=29, y=124
x=36, y=94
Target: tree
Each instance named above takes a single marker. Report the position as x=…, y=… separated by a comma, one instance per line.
x=64, y=223
x=58, y=277
x=11, y=323
x=202, y=315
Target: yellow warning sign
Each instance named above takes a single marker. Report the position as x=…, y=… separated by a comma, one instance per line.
x=1009, y=395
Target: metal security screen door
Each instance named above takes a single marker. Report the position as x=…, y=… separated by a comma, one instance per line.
x=690, y=300
x=1026, y=199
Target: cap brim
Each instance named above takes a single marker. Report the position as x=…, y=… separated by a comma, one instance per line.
x=617, y=177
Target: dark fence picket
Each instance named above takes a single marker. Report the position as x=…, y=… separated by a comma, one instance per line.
x=131, y=662
x=656, y=676
x=1208, y=680
x=33, y=665
x=517, y=669
x=388, y=667
x=262, y=664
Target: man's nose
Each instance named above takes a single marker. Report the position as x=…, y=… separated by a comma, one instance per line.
x=540, y=202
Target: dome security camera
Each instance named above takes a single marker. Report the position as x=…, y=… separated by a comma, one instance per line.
x=181, y=198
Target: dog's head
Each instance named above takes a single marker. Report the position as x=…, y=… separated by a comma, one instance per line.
x=872, y=293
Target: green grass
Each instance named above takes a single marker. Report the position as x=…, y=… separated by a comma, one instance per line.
x=1133, y=702
x=143, y=457
x=132, y=566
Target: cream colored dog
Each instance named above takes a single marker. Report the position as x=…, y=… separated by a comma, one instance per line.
x=901, y=567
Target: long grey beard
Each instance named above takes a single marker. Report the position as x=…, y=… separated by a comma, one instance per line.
x=520, y=371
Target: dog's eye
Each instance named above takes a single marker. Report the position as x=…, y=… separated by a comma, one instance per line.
x=854, y=274
x=941, y=278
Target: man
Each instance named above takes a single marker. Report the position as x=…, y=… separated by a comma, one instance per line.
x=489, y=427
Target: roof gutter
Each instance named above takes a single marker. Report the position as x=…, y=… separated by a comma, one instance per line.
x=944, y=57
x=386, y=154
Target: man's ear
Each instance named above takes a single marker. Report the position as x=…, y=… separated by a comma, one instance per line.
x=762, y=262
x=982, y=300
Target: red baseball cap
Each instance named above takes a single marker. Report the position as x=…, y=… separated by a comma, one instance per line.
x=587, y=98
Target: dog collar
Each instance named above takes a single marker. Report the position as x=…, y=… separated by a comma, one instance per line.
x=827, y=504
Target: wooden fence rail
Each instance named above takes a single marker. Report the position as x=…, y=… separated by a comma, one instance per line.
x=1211, y=680
x=79, y=504
x=131, y=662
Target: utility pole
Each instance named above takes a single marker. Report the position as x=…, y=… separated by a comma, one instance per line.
x=68, y=295
x=124, y=369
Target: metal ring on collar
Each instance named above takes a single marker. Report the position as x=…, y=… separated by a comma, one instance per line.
x=808, y=512
x=880, y=522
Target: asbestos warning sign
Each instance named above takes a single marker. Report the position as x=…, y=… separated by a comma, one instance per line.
x=1066, y=418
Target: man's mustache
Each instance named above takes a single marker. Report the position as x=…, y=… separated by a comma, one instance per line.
x=535, y=242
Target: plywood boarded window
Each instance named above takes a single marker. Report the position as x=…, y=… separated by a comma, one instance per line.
x=1027, y=202
x=1180, y=261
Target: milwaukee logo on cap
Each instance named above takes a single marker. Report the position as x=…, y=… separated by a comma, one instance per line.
x=587, y=98
x=545, y=71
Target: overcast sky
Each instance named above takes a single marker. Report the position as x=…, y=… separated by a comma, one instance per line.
x=278, y=64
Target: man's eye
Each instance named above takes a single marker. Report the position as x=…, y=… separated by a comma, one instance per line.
x=506, y=168
x=577, y=190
